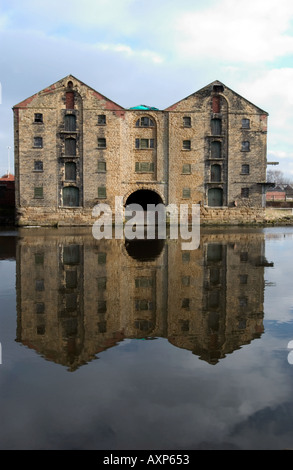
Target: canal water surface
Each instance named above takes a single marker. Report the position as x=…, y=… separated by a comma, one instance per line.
x=116, y=345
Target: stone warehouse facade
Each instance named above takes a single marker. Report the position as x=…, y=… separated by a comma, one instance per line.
x=75, y=148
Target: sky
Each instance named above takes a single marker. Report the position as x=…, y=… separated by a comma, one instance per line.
x=154, y=53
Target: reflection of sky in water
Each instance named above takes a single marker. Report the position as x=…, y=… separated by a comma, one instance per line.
x=150, y=394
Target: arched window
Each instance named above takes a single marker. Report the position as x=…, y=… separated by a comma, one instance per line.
x=70, y=146
x=216, y=173
x=70, y=171
x=70, y=122
x=145, y=122
x=216, y=149
x=70, y=196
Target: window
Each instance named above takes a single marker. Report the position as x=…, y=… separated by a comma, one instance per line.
x=185, y=304
x=70, y=122
x=40, y=307
x=102, y=258
x=102, y=283
x=101, y=119
x=70, y=171
x=186, y=169
x=185, y=281
x=143, y=282
x=186, y=145
x=102, y=306
x=38, y=166
x=39, y=258
x=40, y=286
x=70, y=147
x=144, y=143
x=101, y=143
x=244, y=256
x=102, y=193
x=186, y=257
x=245, y=170
x=70, y=196
x=243, y=278
x=70, y=100
x=186, y=121
x=38, y=192
x=245, y=192
x=245, y=124
x=144, y=167
x=216, y=149
x=216, y=171
x=216, y=126
x=186, y=193
x=101, y=167
x=38, y=142
x=245, y=146
x=38, y=117
x=144, y=305
x=144, y=122
x=71, y=279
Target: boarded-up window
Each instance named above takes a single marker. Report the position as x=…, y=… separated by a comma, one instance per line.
x=70, y=147
x=216, y=126
x=186, y=169
x=245, y=169
x=245, y=192
x=216, y=149
x=101, y=167
x=186, y=193
x=216, y=104
x=70, y=122
x=70, y=171
x=70, y=196
x=102, y=193
x=70, y=100
x=215, y=197
x=144, y=167
x=216, y=173
x=38, y=192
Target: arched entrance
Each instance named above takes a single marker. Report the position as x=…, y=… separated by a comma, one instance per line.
x=143, y=197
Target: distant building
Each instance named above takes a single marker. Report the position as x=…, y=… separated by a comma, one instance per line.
x=75, y=148
x=7, y=191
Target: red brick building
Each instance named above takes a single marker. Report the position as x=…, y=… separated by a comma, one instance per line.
x=7, y=191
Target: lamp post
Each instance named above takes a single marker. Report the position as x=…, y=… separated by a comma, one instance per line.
x=8, y=148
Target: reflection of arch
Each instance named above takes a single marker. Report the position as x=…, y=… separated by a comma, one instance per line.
x=70, y=196
x=215, y=197
x=143, y=197
x=144, y=250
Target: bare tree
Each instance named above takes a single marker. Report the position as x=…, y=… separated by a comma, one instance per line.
x=278, y=177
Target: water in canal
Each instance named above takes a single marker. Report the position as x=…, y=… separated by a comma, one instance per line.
x=140, y=345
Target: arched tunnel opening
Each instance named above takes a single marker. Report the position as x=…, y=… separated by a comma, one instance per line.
x=143, y=197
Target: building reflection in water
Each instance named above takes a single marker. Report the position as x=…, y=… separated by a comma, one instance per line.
x=77, y=296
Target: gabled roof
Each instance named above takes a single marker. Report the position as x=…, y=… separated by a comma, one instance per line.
x=210, y=87
x=58, y=84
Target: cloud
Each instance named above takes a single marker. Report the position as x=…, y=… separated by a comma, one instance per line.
x=232, y=31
